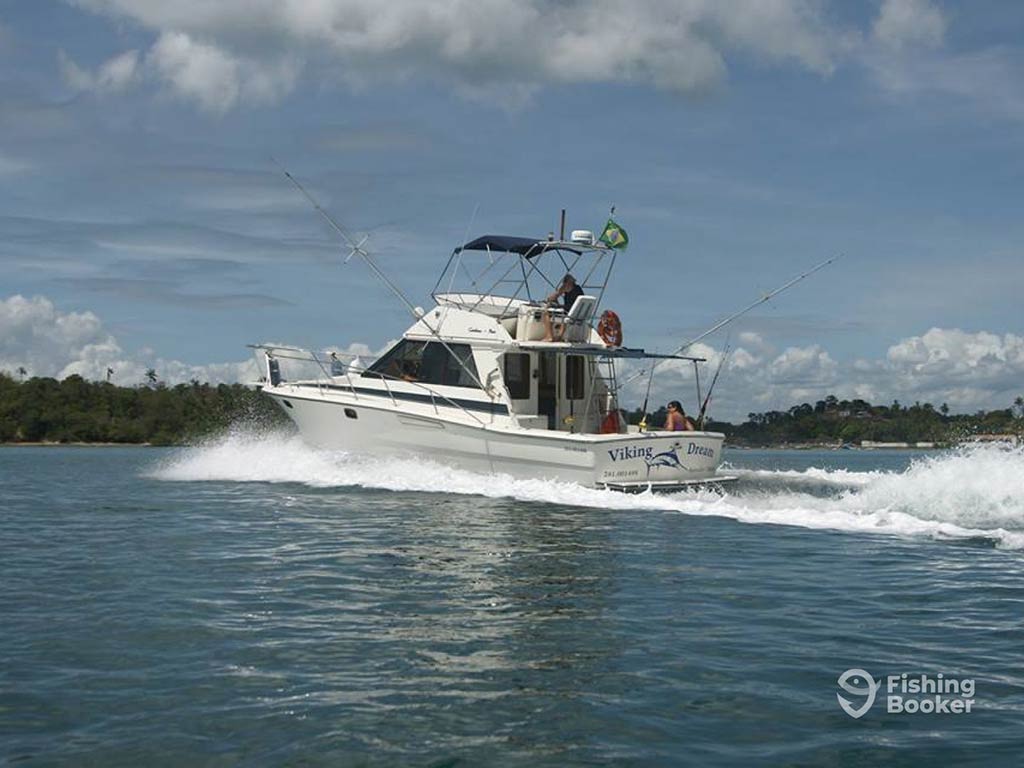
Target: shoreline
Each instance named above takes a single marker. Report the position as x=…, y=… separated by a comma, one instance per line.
x=54, y=444
x=782, y=447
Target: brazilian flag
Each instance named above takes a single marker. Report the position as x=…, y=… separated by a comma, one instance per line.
x=614, y=236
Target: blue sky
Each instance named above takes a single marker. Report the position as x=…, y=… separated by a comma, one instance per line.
x=143, y=221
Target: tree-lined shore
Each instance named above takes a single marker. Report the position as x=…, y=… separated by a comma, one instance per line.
x=44, y=410
x=833, y=421
x=75, y=410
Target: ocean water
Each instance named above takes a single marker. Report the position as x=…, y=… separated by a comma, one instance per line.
x=255, y=602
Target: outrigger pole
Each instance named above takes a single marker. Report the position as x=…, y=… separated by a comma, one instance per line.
x=357, y=248
x=735, y=316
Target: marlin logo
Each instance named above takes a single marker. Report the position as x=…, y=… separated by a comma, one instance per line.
x=849, y=682
x=667, y=458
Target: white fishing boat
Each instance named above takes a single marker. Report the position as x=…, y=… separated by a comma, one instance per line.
x=474, y=383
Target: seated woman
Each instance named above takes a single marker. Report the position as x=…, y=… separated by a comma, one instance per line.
x=677, y=420
x=569, y=291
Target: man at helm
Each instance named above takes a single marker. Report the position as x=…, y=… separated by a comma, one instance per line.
x=569, y=291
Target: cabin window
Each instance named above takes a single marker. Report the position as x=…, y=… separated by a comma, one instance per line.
x=517, y=375
x=574, y=378
x=402, y=361
x=452, y=365
x=428, y=362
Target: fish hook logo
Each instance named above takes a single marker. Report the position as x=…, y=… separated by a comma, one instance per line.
x=849, y=682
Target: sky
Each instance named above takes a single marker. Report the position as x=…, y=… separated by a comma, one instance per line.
x=145, y=223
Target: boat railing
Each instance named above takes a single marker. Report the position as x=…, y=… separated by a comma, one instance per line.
x=388, y=388
x=326, y=367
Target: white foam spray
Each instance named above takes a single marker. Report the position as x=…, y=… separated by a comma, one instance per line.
x=971, y=493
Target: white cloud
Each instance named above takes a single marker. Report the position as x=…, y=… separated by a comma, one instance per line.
x=211, y=76
x=901, y=23
x=958, y=367
x=216, y=52
x=231, y=52
x=115, y=74
x=987, y=80
x=906, y=58
x=969, y=371
x=195, y=70
x=215, y=78
x=751, y=339
x=45, y=341
x=798, y=366
x=35, y=335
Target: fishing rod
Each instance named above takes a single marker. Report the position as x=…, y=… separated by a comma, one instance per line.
x=714, y=380
x=356, y=248
x=647, y=397
x=735, y=316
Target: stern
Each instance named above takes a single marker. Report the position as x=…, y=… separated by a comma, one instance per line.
x=659, y=459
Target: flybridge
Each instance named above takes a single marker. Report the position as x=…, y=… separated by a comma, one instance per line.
x=529, y=247
x=502, y=271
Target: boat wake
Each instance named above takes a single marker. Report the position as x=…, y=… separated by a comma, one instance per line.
x=974, y=493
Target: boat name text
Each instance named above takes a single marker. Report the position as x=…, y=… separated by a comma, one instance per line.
x=647, y=453
x=631, y=452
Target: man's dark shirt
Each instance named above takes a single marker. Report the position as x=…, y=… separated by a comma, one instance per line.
x=570, y=296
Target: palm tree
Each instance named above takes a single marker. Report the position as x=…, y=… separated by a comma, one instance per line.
x=110, y=372
x=22, y=373
x=151, y=376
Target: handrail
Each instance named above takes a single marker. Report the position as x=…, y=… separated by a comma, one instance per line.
x=310, y=355
x=390, y=393
x=273, y=347
x=432, y=392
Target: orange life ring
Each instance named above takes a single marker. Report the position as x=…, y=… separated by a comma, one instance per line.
x=609, y=328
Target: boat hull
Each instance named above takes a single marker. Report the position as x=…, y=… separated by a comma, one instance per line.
x=375, y=426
